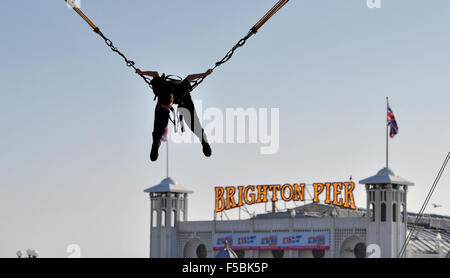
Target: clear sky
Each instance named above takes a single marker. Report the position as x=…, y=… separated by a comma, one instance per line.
x=76, y=123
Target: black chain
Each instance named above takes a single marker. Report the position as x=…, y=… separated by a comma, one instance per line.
x=129, y=63
x=227, y=57
x=197, y=82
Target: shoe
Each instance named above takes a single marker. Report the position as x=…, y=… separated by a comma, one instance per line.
x=154, y=152
x=206, y=149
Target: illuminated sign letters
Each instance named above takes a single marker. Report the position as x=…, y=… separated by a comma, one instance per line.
x=335, y=193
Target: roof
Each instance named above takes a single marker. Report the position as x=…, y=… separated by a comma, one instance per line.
x=386, y=176
x=168, y=185
x=426, y=239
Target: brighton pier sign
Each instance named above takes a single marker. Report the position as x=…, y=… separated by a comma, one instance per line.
x=336, y=193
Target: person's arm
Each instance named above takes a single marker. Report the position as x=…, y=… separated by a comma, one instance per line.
x=148, y=73
x=192, y=77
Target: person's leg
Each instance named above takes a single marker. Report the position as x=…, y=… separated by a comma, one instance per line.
x=187, y=110
x=159, y=126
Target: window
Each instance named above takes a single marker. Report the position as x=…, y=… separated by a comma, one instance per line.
x=181, y=215
x=201, y=251
x=360, y=250
x=394, y=212
x=318, y=253
x=404, y=215
x=173, y=220
x=155, y=219
x=163, y=218
x=372, y=212
x=278, y=253
x=383, y=212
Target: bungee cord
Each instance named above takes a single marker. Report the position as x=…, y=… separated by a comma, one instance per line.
x=108, y=42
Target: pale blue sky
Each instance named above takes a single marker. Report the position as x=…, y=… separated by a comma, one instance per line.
x=76, y=123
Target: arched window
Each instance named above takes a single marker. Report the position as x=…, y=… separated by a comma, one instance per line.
x=360, y=250
x=173, y=218
x=278, y=254
x=383, y=212
x=394, y=212
x=404, y=215
x=181, y=215
x=163, y=218
x=155, y=219
x=201, y=251
x=372, y=212
x=318, y=253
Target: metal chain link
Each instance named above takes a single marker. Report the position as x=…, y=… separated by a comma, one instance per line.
x=197, y=82
x=129, y=63
x=227, y=57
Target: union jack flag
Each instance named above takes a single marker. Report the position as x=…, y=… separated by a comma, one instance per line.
x=391, y=122
x=165, y=136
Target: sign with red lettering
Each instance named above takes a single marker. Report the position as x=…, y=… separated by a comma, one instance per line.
x=268, y=241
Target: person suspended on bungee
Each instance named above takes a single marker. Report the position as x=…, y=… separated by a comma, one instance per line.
x=170, y=92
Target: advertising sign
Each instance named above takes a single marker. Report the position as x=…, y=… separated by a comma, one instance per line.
x=273, y=241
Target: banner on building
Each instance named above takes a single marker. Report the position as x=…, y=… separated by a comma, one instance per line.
x=273, y=241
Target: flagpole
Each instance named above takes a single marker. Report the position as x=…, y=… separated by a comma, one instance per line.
x=167, y=142
x=387, y=132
